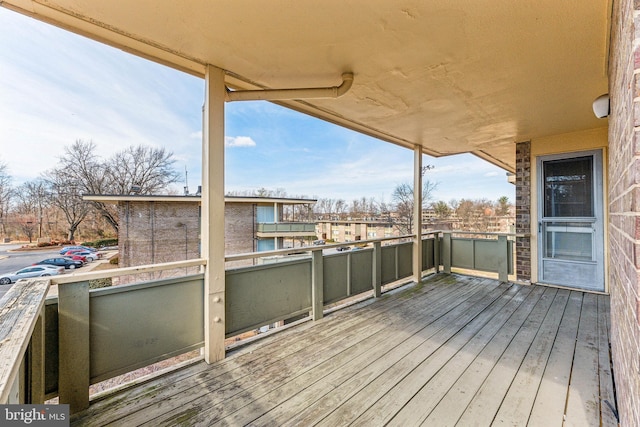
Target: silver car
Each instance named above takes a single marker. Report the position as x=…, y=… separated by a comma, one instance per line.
x=31, y=271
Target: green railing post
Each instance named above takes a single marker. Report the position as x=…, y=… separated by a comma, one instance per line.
x=503, y=261
x=446, y=252
x=73, y=345
x=377, y=269
x=436, y=252
x=317, y=284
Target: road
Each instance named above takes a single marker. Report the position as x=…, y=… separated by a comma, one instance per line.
x=12, y=261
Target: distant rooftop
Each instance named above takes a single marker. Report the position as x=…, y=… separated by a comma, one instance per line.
x=115, y=198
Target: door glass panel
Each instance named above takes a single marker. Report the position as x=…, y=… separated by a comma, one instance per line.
x=569, y=241
x=568, y=187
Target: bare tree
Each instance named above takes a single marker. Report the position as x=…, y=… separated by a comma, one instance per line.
x=324, y=208
x=402, y=197
x=474, y=215
x=34, y=199
x=6, y=194
x=66, y=194
x=139, y=169
x=341, y=209
x=87, y=172
x=28, y=225
x=143, y=169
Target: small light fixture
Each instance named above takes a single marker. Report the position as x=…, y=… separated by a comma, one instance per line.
x=601, y=106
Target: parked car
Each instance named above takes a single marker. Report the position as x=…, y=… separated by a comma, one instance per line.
x=86, y=248
x=31, y=271
x=343, y=248
x=90, y=256
x=76, y=257
x=61, y=262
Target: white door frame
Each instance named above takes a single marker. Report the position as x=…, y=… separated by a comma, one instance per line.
x=587, y=275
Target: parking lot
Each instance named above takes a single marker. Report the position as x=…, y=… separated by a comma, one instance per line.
x=12, y=260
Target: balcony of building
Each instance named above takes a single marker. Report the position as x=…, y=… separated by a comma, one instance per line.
x=286, y=229
x=453, y=349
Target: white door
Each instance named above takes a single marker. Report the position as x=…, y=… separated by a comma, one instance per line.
x=570, y=230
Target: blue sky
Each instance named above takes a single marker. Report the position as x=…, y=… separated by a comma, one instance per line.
x=57, y=87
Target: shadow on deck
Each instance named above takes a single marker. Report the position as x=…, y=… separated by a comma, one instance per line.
x=454, y=350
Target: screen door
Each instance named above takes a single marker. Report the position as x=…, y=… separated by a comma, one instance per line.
x=570, y=231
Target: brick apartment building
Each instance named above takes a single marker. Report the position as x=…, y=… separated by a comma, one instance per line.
x=158, y=229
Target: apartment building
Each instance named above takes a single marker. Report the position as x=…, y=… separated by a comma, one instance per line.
x=156, y=229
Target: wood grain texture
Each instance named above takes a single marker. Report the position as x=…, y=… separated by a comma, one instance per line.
x=454, y=350
x=18, y=317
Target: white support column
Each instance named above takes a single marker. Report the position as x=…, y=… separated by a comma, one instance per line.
x=213, y=214
x=417, y=213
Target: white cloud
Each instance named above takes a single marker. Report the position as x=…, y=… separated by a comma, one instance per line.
x=239, y=141
x=196, y=135
x=489, y=174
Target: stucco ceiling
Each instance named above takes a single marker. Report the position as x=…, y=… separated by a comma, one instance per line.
x=452, y=76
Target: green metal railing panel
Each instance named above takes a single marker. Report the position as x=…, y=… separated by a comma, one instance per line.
x=427, y=254
x=335, y=284
x=487, y=255
x=405, y=260
x=389, y=264
x=361, y=271
x=136, y=325
x=259, y=295
x=462, y=253
x=51, y=347
x=396, y=262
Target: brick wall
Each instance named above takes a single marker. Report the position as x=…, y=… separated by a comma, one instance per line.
x=158, y=232
x=624, y=206
x=239, y=226
x=523, y=211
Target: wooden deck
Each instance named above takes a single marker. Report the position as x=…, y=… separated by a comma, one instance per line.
x=454, y=350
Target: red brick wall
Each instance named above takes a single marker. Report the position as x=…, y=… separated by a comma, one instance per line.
x=624, y=207
x=523, y=211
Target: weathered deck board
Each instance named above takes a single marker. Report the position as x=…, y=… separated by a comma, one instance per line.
x=517, y=403
x=422, y=396
x=322, y=362
x=604, y=364
x=483, y=407
x=474, y=352
x=583, y=403
x=441, y=367
x=454, y=402
x=549, y=406
x=259, y=354
x=18, y=317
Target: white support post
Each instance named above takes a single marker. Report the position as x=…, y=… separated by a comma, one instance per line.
x=213, y=214
x=417, y=213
